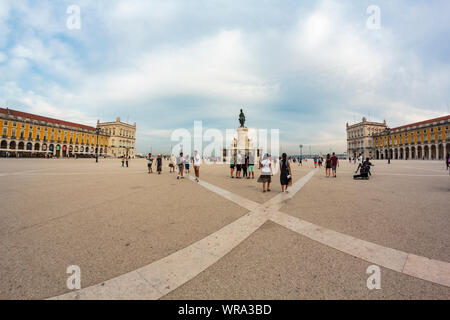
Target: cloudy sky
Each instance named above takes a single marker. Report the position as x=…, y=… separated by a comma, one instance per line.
x=304, y=67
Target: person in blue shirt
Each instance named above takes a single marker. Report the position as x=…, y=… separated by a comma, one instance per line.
x=159, y=164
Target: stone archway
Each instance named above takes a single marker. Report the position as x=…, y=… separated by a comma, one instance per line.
x=433, y=152
x=419, y=152
x=37, y=146
x=426, y=152
x=396, y=154
x=4, y=144
x=441, y=152
x=413, y=152
x=447, y=148
x=21, y=146
x=12, y=145
x=407, y=153
x=378, y=154
x=400, y=156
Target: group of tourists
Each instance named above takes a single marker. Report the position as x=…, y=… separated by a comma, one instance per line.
x=182, y=163
x=246, y=165
x=242, y=163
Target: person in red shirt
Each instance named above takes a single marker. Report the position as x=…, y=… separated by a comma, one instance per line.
x=334, y=164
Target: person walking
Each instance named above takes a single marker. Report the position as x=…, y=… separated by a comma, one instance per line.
x=159, y=164
x=197, y=162
x=266, y=172
x=328, y=166
x=126, y=160
x=150, y=163
x=180, y=163
x=123, y=161
x=315, y=161
x=285, y=173
x=300, y=161
x=334, y=164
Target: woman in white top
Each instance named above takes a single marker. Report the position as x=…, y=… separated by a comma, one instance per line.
x=266, y=172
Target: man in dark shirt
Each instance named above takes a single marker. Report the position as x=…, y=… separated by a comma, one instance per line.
x=334, y=164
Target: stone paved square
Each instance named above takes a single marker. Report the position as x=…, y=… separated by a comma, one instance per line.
x=119, y=224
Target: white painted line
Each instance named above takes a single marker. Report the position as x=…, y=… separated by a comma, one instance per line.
x=161, y=277
x=412, y=175
x=243, y=202
x=279, y=200
x=386, y=257
x=419, y=267
x=428, y=269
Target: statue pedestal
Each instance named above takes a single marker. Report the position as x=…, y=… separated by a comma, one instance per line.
x=242, y=138
x=243, y=145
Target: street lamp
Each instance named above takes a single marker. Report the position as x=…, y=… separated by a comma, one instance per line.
x=389, y=151
x=97, y=131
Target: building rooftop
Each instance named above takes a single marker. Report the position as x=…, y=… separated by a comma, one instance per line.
x=423, y=122
x=46, y=119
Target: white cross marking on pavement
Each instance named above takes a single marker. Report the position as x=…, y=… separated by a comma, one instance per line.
x=159, y=278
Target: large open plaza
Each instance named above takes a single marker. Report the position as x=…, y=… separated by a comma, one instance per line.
x=136, y=235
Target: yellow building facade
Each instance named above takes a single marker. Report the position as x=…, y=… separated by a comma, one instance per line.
x=30, y=135
x=427, y=140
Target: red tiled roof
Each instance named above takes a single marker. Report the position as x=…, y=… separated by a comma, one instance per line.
x=46, y=119
x=423, y=122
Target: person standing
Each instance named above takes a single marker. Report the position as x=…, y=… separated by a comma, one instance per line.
x=328, y=166
x=232, y=163
x=334, y=164
x=197, y=162
x=172, y=163
x=186, y=164
x=315, y=161
x=360, y=162
x=245, y=168
x=180, y=163
x=447, y=160
x=123, y=161
x=300, y=161
x=285, y=173
x=266, y=172
x=126, y=160
x=251, y=166
x=150, y=163
x=159, y=164
x=238, y=165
